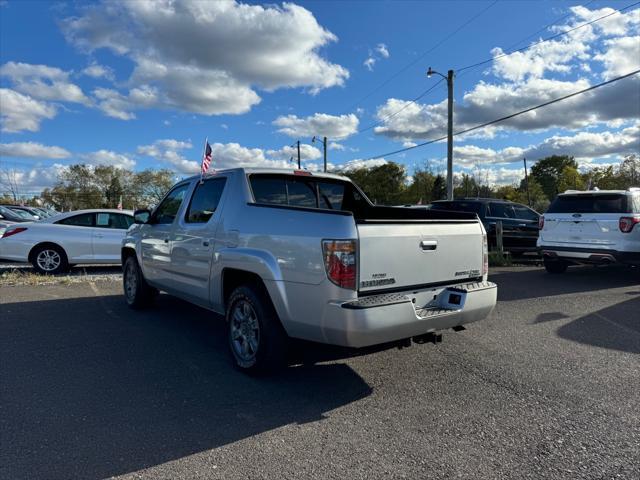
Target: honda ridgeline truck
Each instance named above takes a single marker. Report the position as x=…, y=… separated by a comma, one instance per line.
x=290, y=254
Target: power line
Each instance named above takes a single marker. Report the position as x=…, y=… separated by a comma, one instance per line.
x=492, y=122
x=421, y=56
x=375, y=124
x=557, y=35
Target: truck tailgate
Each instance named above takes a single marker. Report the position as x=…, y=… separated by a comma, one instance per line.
x=396, y=255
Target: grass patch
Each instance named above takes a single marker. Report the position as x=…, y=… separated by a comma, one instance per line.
x=497, y=259
x=28, y=277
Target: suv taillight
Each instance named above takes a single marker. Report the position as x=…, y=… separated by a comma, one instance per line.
x=485, y=255
x=340, y=262
x=626, y=223
x=541, y=222
x=8, y=233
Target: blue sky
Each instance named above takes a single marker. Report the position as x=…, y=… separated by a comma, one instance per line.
x=141, y=84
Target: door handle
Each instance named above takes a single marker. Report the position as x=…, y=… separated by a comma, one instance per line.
x=166, y=240
x=98, y=235
x=205, y=243
x=428, y=245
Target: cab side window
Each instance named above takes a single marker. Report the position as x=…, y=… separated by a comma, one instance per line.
x=168, y=208
x=82, y=220
x=204, y=200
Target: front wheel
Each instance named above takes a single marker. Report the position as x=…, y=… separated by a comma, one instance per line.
x=555, y=266
x=257, y=341
x=137, y=292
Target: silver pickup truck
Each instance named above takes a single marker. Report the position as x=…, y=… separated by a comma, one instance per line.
x=290, y=254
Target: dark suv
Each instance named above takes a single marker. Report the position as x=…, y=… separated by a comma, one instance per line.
x=519, y=222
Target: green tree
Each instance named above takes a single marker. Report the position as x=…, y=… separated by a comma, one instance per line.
x=439, y=188
x=384, y=184
x=548, y=171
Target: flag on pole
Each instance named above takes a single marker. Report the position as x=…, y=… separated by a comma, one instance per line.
x=120, y=203
x=206, y=158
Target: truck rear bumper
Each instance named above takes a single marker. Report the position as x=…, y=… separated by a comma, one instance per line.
x=378, y=319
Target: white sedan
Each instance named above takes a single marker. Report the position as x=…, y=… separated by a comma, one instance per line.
x=56, y=243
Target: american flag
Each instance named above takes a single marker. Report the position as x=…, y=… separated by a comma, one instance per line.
x=206, y=159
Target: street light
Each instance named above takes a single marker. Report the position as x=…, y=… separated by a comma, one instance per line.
x=449, y=78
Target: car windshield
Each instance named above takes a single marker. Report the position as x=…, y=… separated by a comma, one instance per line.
x=590, y=203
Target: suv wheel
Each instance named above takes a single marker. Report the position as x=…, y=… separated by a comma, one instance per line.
x=137, y=292
x=555, y=266
x=257, y=341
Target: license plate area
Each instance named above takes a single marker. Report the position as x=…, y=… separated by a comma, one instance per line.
x=453, y=298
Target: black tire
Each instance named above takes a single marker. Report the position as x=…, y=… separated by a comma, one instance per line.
x=257, y=341
x=555, y=266
x=49, y=259
x=137, y=292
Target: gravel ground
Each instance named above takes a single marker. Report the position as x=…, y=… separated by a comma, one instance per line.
x=548, y=387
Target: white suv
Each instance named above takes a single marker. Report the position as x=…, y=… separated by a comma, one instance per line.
x=596, y=227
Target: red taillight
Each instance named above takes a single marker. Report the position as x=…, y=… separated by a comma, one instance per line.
x=541, y=222
x=8, y=233
x=340, y=262
x=626, y=223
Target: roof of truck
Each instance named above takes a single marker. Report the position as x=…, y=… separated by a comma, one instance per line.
x=600, y=192
x=286, y=171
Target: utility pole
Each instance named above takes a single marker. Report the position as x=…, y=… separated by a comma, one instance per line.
x=324, y=150
x=526, y=181
x=449, y=78
x=298, y=155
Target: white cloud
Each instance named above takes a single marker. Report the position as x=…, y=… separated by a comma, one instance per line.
x=43, y=82
x=584, y=146
x=382, y=49
x=116, y=105
x=336, y=146
x=168, y=151
x=206, y=57
x=359, y=163
x=37, y=178
x=307, y=152
x=109, y=158
x=369, y=63
x=622, y=55
x=379, y=52
x=486, y=102
x=32, y=150
x=320, y=124
x=21, y=112
x=96, y=70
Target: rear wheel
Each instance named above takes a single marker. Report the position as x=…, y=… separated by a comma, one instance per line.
x=555, y=266
x=49, y=259
x=137, y=292
x=257, y=341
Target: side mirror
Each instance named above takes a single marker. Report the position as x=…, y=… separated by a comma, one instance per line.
x=141, y=216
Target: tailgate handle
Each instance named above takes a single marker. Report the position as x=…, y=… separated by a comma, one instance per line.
x=428, y=245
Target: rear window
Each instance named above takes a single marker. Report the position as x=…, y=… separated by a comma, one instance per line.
x=597, y=203
x=473, y=207
x=304, y=192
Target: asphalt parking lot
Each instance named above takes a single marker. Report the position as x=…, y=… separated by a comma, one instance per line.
x=547, y=387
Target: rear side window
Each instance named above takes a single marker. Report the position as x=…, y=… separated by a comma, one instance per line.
x=205, y=200
x=525, y=213
x=598, y=203
x=331, y=195
x=117, y=221
x=500, y=210
x=82, y=220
